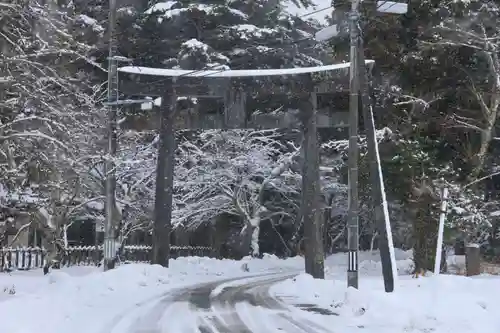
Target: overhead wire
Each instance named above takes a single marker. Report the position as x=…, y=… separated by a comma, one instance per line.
x=216, y=71
x=315, y=12
x=212, y=67
x=206, y=68
x=307, y=14
x=289, y=44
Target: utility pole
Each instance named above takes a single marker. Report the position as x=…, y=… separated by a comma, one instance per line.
x=164, y=179
x=359, y=96
x=354, y=89
x=109, y=232
x=113, y=105
x=164, y=200
x=379, y=202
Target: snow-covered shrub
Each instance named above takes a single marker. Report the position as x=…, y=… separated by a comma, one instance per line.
x=469, y=216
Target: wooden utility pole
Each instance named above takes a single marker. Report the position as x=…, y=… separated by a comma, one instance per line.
x=354, y=88
x=313, y=236
x=164, y=180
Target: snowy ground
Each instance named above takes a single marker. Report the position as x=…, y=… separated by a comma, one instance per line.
x=439, y=304
x=19, y=283
x=85, y=300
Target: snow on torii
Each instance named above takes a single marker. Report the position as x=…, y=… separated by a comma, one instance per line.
x=228, y=73
x=221, y=73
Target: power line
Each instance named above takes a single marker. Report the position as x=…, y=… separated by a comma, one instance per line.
x=386, y=1
x=278, y=42
x=308, y=38
x=294, y=42
x=332, y=7
x=212, y=67
x=316, y=11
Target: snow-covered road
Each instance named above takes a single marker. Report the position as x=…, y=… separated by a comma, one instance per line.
x=203, y=295
x=241, y=305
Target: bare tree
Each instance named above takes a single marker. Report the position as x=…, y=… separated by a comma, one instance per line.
x=231, y=173
x=47, y=114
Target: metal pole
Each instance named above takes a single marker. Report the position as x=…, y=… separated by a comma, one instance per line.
x=109, y=232
x=354, y=87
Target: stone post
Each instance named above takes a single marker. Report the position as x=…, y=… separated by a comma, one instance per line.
x=472, y=260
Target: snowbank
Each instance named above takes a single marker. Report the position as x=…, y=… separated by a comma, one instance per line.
x=65, y=301
x=86, y=300
x=439, y=304
x=271, y=262
x=19, y=283
x=369, y=263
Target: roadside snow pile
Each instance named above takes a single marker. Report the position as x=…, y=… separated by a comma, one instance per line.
x=68, y=303
x=62, y=303
x=19, y=283
x=369, y=263
x=222, y=267
x=444, y=303
x=270, y=262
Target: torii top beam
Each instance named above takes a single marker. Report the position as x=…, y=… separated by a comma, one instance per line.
x=215, y=83
x=233, y=73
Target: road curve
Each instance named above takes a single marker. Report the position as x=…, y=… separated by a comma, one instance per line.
x=238, y=305
x=249, y=307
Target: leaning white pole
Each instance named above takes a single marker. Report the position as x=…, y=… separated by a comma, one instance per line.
x=442, y=216
x=385, y=207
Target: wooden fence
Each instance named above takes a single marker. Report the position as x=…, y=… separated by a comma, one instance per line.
x=32, y=258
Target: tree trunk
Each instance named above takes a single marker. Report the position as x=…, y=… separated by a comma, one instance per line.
x=481, y=155
x=247, y=240
x=53, y=227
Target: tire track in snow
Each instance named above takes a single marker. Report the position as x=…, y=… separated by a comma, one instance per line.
x=225, y=306
x=152, y=307
x=257, y=295
x=146, y=316
x=218, y=313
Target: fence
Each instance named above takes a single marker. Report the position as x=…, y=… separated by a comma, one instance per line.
x=32, y=258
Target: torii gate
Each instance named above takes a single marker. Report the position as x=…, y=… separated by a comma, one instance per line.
x=304, y=83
